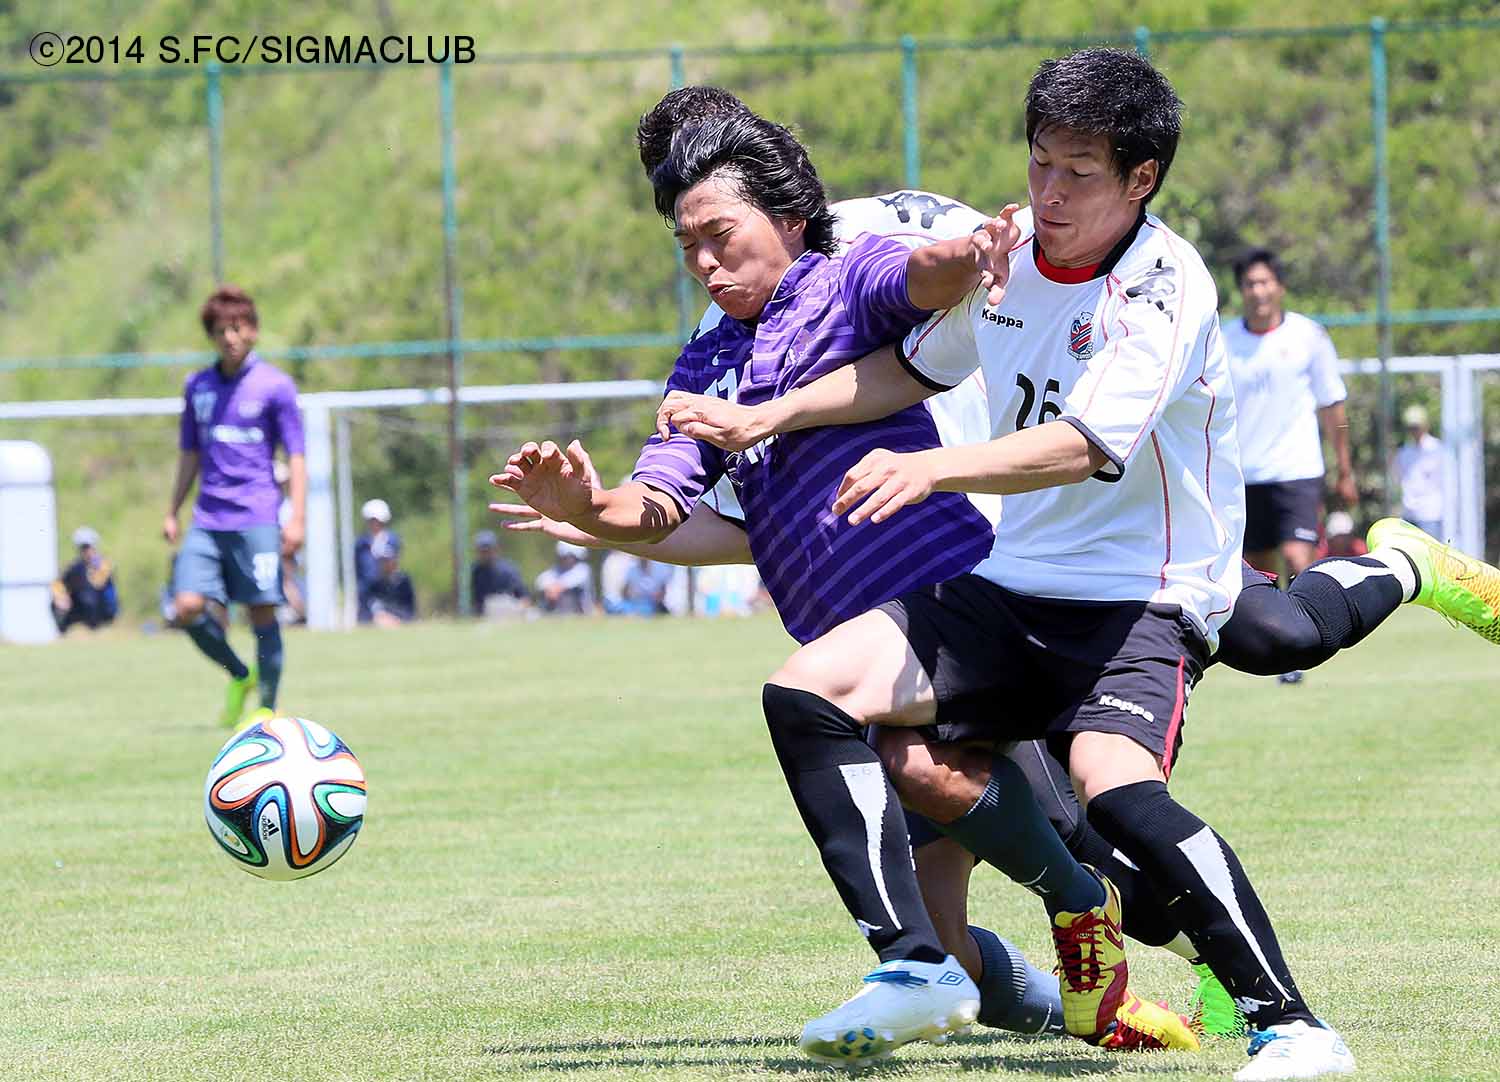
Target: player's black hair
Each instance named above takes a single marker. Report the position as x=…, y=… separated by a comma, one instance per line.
x=763, y=161
x=683, y=106
x=1252, y=257
x=1113, y=93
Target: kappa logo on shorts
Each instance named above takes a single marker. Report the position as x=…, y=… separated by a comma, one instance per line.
x=1127, y=706
x=1081, y=337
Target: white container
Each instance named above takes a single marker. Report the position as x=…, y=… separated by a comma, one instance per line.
x=28, y=543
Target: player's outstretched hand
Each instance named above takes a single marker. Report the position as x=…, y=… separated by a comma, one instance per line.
x=556, y=483
x=889, y=479
x=530, y=520
x=991, y=245
x=727, y=425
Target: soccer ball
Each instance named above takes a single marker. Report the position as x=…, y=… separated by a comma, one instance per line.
x=284, y=798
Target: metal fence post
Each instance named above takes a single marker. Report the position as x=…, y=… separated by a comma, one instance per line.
x=686, y=321
x=453, y=302
x=1378, y=120
x=215, y=100
x=913, y=143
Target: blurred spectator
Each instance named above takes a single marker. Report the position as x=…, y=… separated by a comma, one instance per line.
x=495, y=584
x=727, y=590
x=613, y=572
x=1418, y=466
x=393, y=602
x=377, y=516
x=644, y=589
x=293, y=586
x=86, y=592
x=567, y=586
x=1340, y=537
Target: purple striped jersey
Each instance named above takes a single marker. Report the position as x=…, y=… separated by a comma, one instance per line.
x=826, y=312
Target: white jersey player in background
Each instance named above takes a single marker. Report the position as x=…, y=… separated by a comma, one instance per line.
x=1286, y=381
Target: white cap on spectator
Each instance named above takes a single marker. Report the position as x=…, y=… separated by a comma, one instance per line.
x=1340, y=524
x=379, y=510
x=567, y=548
x=1412, y=416
x=85, y=535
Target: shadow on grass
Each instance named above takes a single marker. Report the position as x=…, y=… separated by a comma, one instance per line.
x=678, y=1052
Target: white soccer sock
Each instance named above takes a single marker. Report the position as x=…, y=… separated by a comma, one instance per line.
x=1401, y=566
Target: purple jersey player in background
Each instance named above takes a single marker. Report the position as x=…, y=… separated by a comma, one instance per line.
x=235, y=414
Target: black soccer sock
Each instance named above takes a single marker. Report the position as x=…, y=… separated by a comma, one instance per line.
x=1146, y=917
x=1145, y=911
x=1013, y=993
x=1211, y=896
x=268, y=654
x=1331, y=605
x=1006, y=827
x=852, y=813
x=209, y=636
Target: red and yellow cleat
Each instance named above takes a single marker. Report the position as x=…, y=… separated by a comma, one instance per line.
x=1150, y=1027
x=1091, y=970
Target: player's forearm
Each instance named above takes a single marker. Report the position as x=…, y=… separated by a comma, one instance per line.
x=1336, y=430
x=873, y=387
x=1043, y=456
x=632, y=513
x=704, y=540
x=297, y=486
x=187, y=470
x=941, y=275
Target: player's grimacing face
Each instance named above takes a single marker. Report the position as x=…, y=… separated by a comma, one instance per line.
x=234, y=338
x=1080, y=205
x=1262, y=292
x=735, y=250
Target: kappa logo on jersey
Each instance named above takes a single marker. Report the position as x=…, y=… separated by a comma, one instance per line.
x=1157, y=287
x=925, y=207
x=1081, y=337
x=998, y=320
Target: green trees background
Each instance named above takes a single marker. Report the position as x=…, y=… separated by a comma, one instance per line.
x=332, y=192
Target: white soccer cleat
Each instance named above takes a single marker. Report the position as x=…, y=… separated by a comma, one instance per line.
x=900, y=1003
x=1295, y=1050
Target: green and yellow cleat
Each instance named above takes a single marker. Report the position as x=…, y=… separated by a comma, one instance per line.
x=1461, y=588
x=234, y=699
x=1213, y=1008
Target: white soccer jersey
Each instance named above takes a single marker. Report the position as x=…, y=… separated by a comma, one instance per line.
x=1132, y=358
x=915, y=219
x=1281, y=379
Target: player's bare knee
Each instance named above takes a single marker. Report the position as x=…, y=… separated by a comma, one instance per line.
x=188, y=608
x=819, y=671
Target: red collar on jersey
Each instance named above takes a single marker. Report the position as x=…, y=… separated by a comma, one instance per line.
x=1068, y=276
x=1072, y=276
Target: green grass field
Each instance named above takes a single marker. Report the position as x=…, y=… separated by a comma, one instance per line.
x=580, y=862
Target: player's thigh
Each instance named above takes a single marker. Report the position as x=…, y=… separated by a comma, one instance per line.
x=1049, y=782
x=1134, y=702
x=1298, y=556
x=865, y=667
x=252, y=564
x=198, y=570
x=1298, y=507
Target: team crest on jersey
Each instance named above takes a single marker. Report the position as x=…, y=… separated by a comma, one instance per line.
x=203, y=405
x=1081, y=337
x=251, y=409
